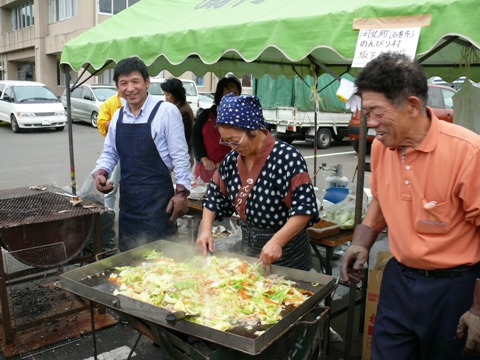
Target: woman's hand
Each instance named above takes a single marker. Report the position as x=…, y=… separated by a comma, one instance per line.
x=205, y=242
x=208, y=164
x=205, y=238
x=271, y=252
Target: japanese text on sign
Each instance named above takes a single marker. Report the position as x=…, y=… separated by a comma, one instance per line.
x=373, y=42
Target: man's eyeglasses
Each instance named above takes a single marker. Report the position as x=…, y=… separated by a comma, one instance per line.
x=232, y=143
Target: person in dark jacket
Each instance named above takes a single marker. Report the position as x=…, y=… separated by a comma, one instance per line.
x=175, y=93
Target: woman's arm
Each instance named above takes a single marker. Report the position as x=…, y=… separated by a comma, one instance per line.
x=205, y=239
x=272, y=250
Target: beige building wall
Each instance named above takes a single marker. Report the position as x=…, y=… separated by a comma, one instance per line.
x=33, y=53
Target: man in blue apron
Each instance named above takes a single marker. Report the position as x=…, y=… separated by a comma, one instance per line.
x=148, y=139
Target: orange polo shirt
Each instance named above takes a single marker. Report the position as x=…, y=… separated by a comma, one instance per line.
x=431, y=198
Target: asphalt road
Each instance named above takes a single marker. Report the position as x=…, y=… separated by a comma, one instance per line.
x=42, y=157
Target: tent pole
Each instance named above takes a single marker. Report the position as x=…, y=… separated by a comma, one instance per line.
x=315, y=124
x=70, y=132
x=362, y=146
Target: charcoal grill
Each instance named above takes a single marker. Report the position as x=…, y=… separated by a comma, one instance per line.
x=42, y=229
x=91, y=282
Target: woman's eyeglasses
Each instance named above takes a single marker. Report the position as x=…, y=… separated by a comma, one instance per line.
x=232, y=143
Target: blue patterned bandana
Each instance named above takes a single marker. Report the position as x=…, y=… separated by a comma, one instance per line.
x=241, y=111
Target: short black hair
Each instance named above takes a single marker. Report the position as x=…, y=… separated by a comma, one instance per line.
x=129, y=65
x=395, y=76
x=223, y=84
x=175, y=87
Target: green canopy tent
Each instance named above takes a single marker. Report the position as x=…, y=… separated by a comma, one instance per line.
x=267, y=36
x=289, y=37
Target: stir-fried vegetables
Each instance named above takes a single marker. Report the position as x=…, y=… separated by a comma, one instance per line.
x=220, y=292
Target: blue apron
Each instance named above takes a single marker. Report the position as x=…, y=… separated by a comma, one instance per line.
x=145, y=186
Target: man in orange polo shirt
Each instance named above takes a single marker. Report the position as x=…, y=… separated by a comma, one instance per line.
x=426, y=187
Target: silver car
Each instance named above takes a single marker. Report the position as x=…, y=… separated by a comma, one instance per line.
x=87, y=99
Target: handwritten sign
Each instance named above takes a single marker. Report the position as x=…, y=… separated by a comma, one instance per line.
x=373, y=42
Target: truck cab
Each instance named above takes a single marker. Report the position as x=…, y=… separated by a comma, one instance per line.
x=440, y=99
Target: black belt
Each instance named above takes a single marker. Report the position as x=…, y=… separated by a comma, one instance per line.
x=443, y=273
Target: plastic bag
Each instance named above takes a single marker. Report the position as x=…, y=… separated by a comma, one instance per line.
x=343, y=213
x=89, y=192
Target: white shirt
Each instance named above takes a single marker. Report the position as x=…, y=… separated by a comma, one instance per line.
x=167, y=133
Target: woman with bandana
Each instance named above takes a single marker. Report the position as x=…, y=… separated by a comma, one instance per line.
x=266, y=182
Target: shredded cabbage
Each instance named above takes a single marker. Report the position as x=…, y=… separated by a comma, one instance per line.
x=220, y=293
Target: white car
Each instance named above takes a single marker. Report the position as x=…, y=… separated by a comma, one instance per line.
x=190, y=89
x=205, y=101
x=86, y=100
x=29, y=105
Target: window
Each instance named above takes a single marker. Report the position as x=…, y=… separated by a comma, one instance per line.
x=25, y=70
x=106, y=77
x=77, y=93
x=87, y=94
x=198, y=80
x=190, y=88
x=22, y=16
x=8, y=94
x=61, y=75
x=435, y=98
x=448, y=98
x=61, y=9
x=113, y=7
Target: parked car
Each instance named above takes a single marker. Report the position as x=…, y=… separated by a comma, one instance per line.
x=440, y=99
x=30, y=104
x=205, y=101
x=86, y=100
x=190, y=89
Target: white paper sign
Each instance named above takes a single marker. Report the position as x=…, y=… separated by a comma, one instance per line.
x=373, y=42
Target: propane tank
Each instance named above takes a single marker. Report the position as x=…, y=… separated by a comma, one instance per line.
x=336, y=179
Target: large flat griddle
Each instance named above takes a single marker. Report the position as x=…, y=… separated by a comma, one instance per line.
x=91, y=282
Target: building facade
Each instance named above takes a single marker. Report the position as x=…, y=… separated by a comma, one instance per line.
x=33, y=33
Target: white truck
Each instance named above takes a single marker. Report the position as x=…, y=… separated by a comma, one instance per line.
x=288, y=109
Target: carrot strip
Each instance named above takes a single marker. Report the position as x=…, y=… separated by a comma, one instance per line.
x=306, y=292
x=244, y=295
x=272, y=301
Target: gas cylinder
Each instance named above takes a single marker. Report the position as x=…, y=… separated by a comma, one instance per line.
x=336, y=179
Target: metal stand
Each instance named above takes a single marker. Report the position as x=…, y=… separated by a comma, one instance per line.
x=25, y=274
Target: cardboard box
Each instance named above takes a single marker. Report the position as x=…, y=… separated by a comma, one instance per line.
x=373, y=292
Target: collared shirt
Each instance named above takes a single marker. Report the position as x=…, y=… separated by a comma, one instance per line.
x=167, y=132
x=430, y=197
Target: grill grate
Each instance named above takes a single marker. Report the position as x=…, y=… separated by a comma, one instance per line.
x=54, y=253
x=21, y=206
x=41, y=227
